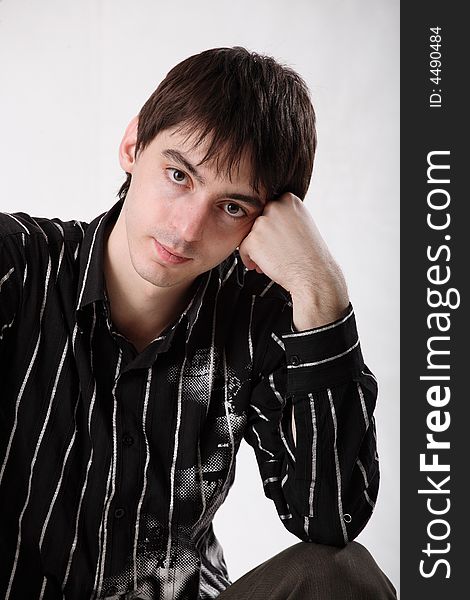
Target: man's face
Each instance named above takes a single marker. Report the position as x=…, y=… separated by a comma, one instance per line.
x=182, y=218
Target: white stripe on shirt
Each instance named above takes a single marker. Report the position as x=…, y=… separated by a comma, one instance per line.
x=338, y=471
x=147, y=460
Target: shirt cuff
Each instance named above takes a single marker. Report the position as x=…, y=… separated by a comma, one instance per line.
x=324, y=356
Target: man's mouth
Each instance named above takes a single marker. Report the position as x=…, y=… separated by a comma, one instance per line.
x=168, y=255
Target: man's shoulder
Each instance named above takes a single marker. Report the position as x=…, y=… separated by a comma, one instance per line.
x=252, y=300
x=48, y=229
x=251, y=283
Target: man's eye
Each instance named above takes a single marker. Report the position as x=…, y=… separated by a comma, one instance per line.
x=177, y=176
x=234, y=210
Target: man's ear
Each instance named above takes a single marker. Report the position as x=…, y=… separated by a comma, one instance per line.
x=127, y=146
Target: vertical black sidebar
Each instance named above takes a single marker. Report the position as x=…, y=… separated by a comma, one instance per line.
x=435, y=319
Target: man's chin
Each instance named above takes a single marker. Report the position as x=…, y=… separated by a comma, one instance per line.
x=163, y=278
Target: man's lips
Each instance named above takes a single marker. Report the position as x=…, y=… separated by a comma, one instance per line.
x=168, y=256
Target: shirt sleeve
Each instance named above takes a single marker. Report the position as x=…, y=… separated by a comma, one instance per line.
x=324, y=483
x=11, y=269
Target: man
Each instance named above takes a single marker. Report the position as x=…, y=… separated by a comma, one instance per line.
x=138, y=350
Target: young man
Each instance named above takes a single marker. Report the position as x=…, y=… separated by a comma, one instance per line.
x=138, y=350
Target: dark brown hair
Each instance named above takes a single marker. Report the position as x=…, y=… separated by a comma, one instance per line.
x=241, y=102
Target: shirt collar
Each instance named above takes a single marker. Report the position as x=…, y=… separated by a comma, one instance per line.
x=91, y=285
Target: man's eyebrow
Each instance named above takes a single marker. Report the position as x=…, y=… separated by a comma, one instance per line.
x=254, y=200
x=179, y=157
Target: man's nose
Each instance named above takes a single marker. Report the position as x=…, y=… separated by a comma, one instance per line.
x=192, y=218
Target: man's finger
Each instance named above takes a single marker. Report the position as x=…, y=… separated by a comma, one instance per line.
x=249, y=264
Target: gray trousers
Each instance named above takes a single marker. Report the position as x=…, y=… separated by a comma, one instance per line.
x=314, y=572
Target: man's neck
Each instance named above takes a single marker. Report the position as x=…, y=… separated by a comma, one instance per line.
x=139, y=310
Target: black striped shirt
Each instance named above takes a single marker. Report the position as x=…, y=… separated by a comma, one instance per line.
x=113, y=462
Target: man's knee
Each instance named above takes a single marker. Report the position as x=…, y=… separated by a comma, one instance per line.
x=348, y=572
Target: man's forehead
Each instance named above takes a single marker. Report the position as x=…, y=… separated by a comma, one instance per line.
x=198, y=145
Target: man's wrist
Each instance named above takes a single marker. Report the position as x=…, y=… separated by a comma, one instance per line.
x=310, y=311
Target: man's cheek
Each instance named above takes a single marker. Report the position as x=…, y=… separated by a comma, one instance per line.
x=249, y=226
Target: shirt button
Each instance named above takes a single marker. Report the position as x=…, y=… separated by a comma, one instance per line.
x=295, y=360
x=119, y=513
x=127, y=439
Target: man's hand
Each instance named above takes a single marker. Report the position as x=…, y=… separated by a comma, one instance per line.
x=286, y=245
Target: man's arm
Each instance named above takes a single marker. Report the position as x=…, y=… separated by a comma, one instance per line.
x=324, y=480
x=316, y=448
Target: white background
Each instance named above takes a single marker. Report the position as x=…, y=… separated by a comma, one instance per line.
x=72, y=74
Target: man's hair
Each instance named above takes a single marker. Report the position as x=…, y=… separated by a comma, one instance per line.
x=239, y=101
